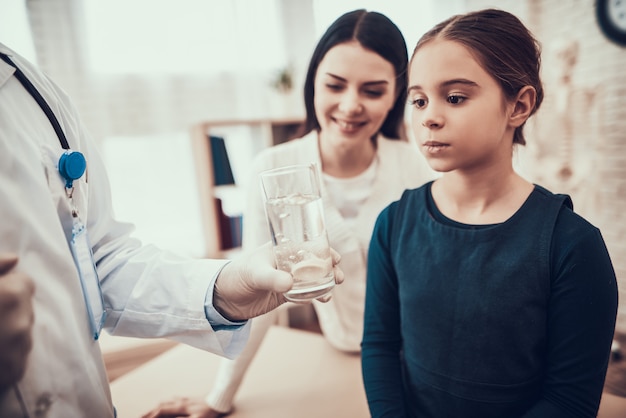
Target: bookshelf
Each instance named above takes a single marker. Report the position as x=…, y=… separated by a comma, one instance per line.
x=222, y=205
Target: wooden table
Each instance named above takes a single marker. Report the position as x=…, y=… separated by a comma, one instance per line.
x=295, y=374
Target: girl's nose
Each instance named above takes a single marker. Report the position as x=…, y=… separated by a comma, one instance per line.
x=431, y=118
x=431, y=124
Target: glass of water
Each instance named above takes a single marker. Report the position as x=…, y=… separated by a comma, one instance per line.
x=295, y=216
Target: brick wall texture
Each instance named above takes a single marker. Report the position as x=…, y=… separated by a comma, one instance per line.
x=577, y=140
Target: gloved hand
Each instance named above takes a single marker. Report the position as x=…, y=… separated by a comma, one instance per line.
x=16, y=321
x=251, y=285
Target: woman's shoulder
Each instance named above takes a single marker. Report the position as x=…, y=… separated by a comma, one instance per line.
x=295, y=151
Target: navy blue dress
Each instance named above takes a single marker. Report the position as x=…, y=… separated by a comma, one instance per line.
x=506, y=320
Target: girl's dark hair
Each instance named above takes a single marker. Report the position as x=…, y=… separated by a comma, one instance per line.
x=504, y=47
x=376, y=32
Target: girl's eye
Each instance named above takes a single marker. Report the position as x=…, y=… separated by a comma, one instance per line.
x=455, y=99
x=418, y=103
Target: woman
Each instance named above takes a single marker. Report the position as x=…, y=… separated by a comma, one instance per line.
x=355, y=98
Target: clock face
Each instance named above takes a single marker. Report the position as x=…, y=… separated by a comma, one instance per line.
x=611, y=15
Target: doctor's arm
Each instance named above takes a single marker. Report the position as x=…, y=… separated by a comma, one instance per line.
x=149, y=292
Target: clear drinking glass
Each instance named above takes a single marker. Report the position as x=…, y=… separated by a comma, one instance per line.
x=295, y=216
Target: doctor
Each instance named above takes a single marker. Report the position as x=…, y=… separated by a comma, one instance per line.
x=68, y=269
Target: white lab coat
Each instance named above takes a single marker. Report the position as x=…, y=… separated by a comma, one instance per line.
x=147, y=292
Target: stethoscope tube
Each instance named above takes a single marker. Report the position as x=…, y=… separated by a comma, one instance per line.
x=39, y=99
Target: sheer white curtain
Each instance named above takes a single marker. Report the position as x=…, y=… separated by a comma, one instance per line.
x=170, y=64
x=183, y=37
x=138, y=67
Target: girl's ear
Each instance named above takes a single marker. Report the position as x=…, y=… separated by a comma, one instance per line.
x=523, y=106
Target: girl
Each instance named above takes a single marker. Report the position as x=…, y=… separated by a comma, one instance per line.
x=487, y=296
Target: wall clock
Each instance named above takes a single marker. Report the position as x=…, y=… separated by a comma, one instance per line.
x=611, y=16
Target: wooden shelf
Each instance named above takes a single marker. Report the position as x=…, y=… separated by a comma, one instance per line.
x=267, y=132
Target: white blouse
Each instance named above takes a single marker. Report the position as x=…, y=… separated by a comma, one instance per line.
x=349, y=194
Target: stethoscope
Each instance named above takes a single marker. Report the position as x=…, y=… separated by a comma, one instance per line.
x=72, y=164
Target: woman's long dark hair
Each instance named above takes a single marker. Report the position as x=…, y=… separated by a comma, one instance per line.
x=375, y=32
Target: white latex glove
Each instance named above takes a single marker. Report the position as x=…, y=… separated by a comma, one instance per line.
x=16, y=321
x=251, y=285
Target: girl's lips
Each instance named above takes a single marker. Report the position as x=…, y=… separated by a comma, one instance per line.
x=434, y=146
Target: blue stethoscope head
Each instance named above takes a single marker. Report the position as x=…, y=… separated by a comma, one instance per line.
x=72, y=165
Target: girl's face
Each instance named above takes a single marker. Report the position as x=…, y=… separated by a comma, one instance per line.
x=354, y=92
x=459, y=113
